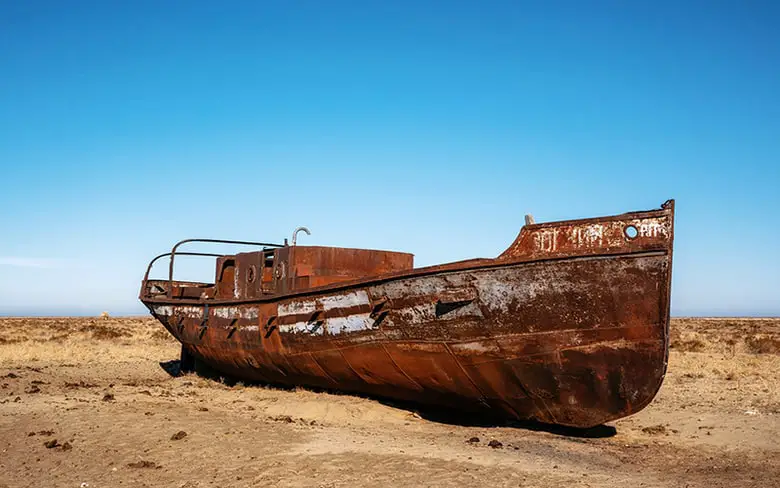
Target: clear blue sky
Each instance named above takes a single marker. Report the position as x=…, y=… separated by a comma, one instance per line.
x=428, y=127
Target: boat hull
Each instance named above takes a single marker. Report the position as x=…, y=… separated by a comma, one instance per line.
x=575, y=341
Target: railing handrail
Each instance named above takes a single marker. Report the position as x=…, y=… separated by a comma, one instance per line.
x=151, y=263
x=217, y=241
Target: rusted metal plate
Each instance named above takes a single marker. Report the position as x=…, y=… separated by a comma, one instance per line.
x=568, y=326
x=303, y=267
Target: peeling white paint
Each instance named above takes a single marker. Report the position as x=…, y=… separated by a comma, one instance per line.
x=353, y=323
x=652, y=229
x=333, y=325
x=352, y=299
x=236, y=313
x=302, y=328
x=297, y=307
x=546, y=240
x=597, y=235
x=235, y=283
x=163, y=310
x=588, y=236
x=184, y=311
x=356, y=298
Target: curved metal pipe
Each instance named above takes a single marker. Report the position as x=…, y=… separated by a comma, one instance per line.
x=295, y=233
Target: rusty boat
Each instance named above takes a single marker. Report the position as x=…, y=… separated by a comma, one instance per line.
x=568, y=326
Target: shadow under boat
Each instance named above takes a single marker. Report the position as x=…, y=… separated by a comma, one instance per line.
x=438, y=415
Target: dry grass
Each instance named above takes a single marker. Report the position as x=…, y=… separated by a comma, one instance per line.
x=726, y=335
x=763, y=345
x=690, y=345
x=55, y=329
x=80, y=340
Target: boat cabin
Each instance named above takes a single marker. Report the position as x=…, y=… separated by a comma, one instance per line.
x=252, y=275
x=292, y=268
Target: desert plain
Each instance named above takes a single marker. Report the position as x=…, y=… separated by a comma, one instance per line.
x=89, y=402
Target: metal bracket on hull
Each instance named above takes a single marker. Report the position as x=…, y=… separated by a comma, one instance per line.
x=379, y=310
x=453, y=300
x=270, y=326
x=315, y=321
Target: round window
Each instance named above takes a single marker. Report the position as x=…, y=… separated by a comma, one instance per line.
x=251, y=274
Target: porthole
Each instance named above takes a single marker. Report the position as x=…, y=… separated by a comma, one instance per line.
x=251, y=274
x=631, y=232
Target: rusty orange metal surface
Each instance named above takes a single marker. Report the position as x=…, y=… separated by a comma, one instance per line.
x=568, y=326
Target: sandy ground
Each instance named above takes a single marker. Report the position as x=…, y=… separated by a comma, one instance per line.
x=85, y=402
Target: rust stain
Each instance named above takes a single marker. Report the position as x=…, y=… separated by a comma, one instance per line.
x=569, y=325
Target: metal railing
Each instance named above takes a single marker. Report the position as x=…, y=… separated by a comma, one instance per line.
x=151, y=263
x=173, y=254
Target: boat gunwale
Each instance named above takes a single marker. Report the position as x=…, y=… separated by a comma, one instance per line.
x=414, y=273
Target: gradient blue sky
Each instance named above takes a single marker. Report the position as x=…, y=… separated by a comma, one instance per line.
x=428, y=127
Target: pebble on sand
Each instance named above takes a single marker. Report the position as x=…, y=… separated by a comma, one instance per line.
x=179, y=435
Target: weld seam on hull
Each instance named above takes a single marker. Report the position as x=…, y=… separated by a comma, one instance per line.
x=468, y=376
x=324, y=371
x=349, y=366
x=414, y=382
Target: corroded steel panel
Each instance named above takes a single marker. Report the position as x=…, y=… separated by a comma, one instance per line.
x=568, y=326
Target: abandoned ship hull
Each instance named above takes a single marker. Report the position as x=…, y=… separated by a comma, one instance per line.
x=568, y=326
